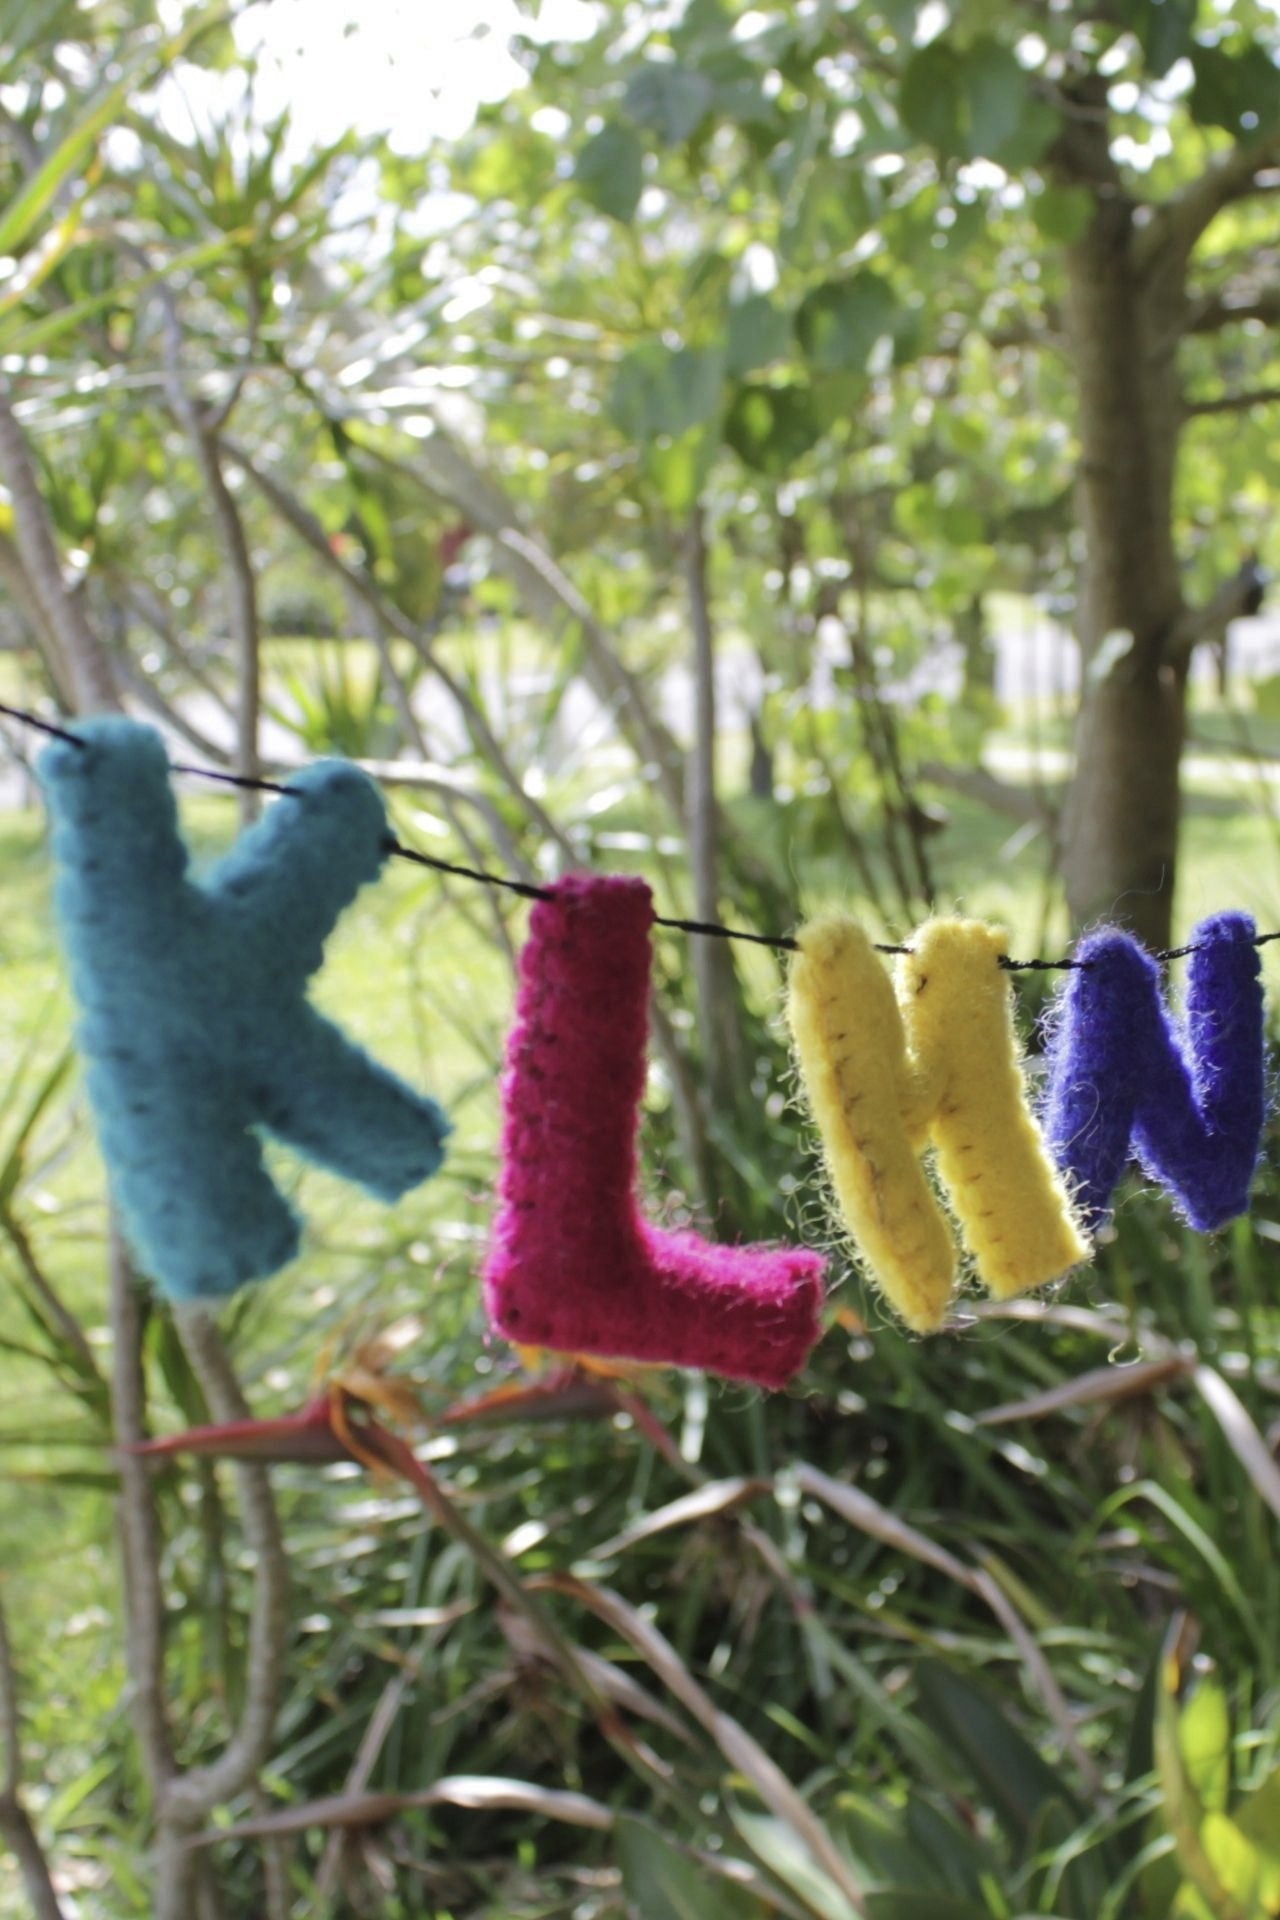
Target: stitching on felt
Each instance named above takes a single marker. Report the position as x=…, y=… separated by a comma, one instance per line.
x=916, y=1044
x=193, y=1014
x=1184, y=1095
x=587, y=1268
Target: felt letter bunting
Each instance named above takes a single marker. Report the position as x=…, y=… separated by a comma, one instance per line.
x=573, y=1265
x=936, y=1063
x=198, y=1036
x=1123, y=1080
x=193, y=1009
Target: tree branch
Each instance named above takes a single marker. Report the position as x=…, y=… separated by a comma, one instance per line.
x=444, y=469
x=1229, y=306
x=14, y=576
x=1233, y=402
x=139, y=1527
x=242, y=590
x=975, y=783
x=194, y=1795
x=51, y=1302
x=308, y=529
x=15, y=1822
x=690, y=1116
x=1236, y=597
x=1177, y=224
x=87, y=663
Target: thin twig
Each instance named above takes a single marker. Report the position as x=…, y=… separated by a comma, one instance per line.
x=84, y=660
x=140, y=1539
x=242, y=590
x=194, y=1795
x=15, y=1823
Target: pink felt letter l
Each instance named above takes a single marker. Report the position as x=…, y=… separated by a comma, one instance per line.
x=573, y=1265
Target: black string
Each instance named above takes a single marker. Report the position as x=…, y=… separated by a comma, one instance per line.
x=523, y=887
x=231, y=779
x=44, y=726
x=712, y=929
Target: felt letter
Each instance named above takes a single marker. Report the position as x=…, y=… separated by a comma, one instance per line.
x=935, y=1062
x=1187, y=1101
x=193, y=1011
x=573, y=1265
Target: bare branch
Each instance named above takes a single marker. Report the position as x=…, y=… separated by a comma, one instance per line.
x=147, y=694
x=242, y=590
x=1233, y=402
x=15, y=1823
x=10, y=1745
x=1236, y=597
x=14, y=577
x=443, y=467
x=308, y=528
x=139, y=1528
x=193, y=1796
x=87, y=664
x=1231, y=305
x=1178, y=223
x=975, y=783
x=51, y=1302
x=686, y=1093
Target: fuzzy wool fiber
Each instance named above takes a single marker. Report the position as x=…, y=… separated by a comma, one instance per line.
x=194, y=1019
x=931, y=1061
x=573, y=1265
x=1126, y=1079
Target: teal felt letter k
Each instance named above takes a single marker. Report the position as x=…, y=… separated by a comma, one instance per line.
x=194, y=1017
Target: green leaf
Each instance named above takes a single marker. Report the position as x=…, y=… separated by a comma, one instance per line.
x=758, y=333
x=660, y=390
x=609, y=171
x=894, y=1903
x=957, y=1862
x=839, y=323
x=1006, y=1767
x=661, y=1883
x=770, y=428
x=1204, y=1737
x=1258, y=1816
x=1062, y=214
x=24, y=212
x=25, y=22
x=678, y=469
x=1183, y=1811
x=517, y=164
x=877, y=1838
x=1241, y=1868
x=1081, y=1862
x=1165, y=30
x=1238, y=91
x=775, y=1844
x=1034, y=134
x=931, y=98
x=40, y=334
x=925, y=517
x=13, y=1167
x=974, y=102
x=996, y=90
x=69, y=157
x=671, y=99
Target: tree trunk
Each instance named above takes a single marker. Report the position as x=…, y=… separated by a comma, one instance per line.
x=1120, y=828
x=1121, y=825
